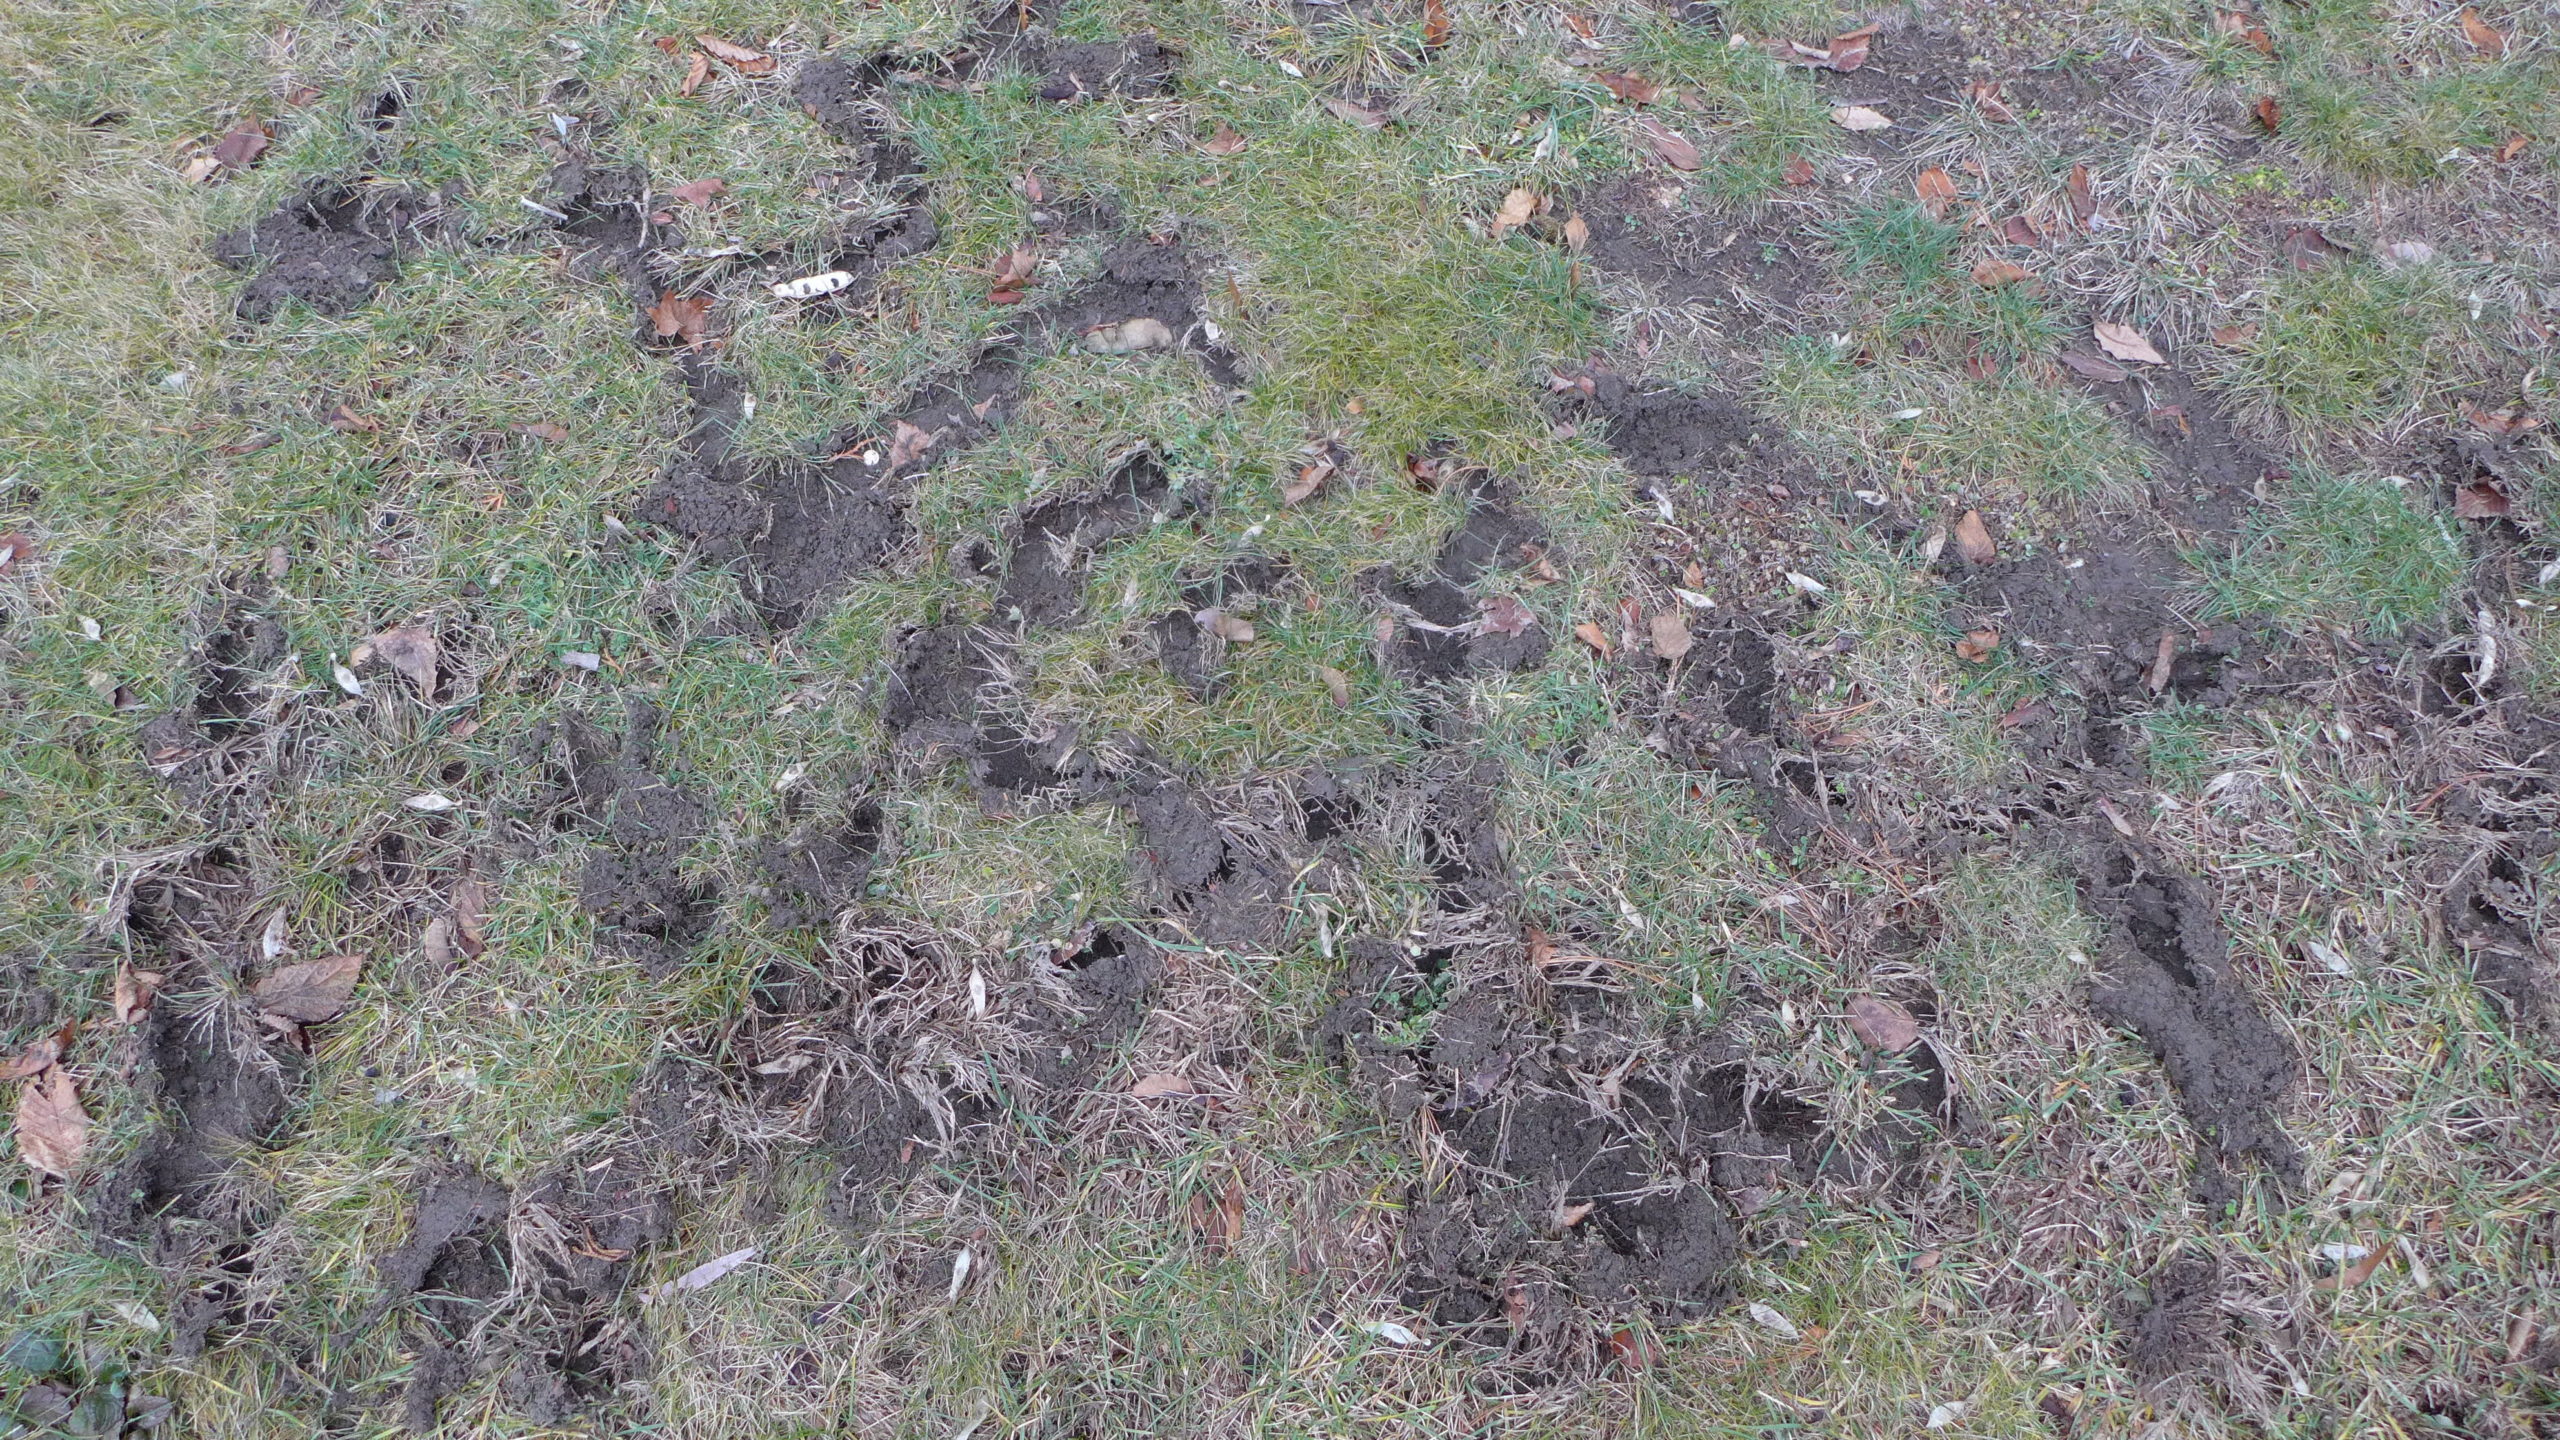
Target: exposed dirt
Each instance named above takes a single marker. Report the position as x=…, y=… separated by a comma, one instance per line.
x=1044, y=575
x=1188, y=651
x=446, y=1277
x=2490, y=912
x=820, y=869
x=1671, y=432
x=2205, y=474
x=329, y=247
x=837, y=93
x=2164, y=972
x=634, y=882
x=568, y=1352
x=1103, y=993
x=1442, y=631
x=1020, y=34
x=208, y=744
x=1222, y=882
x=1744, y=274
x=2179, y=1327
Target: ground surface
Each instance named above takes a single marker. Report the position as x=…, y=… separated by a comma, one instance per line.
x=1280, y=719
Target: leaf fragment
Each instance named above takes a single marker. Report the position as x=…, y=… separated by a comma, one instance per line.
x=2486, y=38
x=1882, y=1025
x=1973, y=540
x=737, y=57
x=1225, y=142
x=1517, y=208
x=52, y=1129
x=1670, y=633
x=313, y=992
x=1597, y=638
x=134, y=992
x=1150, y=1087
x=1668, y=145
x=1978, y=646
x=1992, y=274
x=2126, y=343
x=1860, y=118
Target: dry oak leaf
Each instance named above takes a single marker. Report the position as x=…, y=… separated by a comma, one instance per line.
x=1436, y=28
x=1977, y=646
x=53, y=1131
x=134, y=992
x=2486, y=38
x=1670, y=633
x=737, y=57
x=1505, y=615
x=1881, y=1024
x=1992, y=274
x=1516, y=209
x=699, y=192
x=680, y=317
x=240, y=147
x=1225, y=142
x=1973, y=540
x=1630, y=87
x=1668, y=145
x=311, y=993
x=1595, y=637
x=2126, y=343
x=408, y=649
x=1936, y=190
x=1860, y=118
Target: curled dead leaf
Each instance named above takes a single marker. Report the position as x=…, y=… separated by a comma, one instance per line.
x=1860, y=118
x=15, y=545
x=46, y=1052
x=685, y=318
x=737, y=57
x=1595, y=637
x=241, y=145
x=311, y=993
x=1936, y=190
x=2481, y=500
x=409, y=649
x=1336, y=684
x=2270, y=114
x=1517, y=208
x=1436, y=27
x=2355, y=1274
x=1670, y=633
x=1973, y=540
x=1986, y=98
x=1505, y=615
x=1798, y=171
x=1577, y=233
x=1978, y=646
x=2486, y=38
x=1311, y=478
x=1634, y=89
x=1634, y=1349
x=134, y=992
x=1882, y=1025
x=1992, y=274
x=2082, y=193
x=1668, y=145
x=52, y=1129
x=696, y=71
x=1225, y=142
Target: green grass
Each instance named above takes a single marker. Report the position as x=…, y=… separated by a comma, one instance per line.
x=2363, y=554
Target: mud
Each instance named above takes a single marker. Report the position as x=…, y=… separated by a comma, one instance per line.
x=1105, y=988
x=446, y=1277
x=1189, y=653
x=329, y=247
x=634, y=883
x=2204, y=472
x=835, y=92
x=1216, y=888
x=2164, y=974
x=1743, y=274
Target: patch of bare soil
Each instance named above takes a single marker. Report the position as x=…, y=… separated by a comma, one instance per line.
x=2490, y=913
x=634, y=883
x=1442, y=631
x=2205, y=474
x=2164, y=973
x=1744, y=273
x=329, y=247
x=1020, y=34
x=211, y=745
x=821, y=867
x=1187, y=641
x=448, y=1274
x=2178, y=1326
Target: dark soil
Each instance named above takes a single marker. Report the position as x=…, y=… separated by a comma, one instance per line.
x=1670, y=432
x=2489, y=916
x=577, y=1345
x=1190, y=654
x=837, y=92
x=2164, y=974
x=329, y=247
x=1746, y=273
x=819, y=870
x=1218, y=890
x=1044, y=576
x=1108, y=982
x=2204, y=472
x=1443, y=632
x=634, y=882
x=2179, y=1327
x=203, y=745
x=447, y=1274
x=929, y=699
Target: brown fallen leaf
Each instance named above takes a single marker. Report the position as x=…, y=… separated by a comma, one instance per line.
x=908, y=443
x=43, y=1055
x=1225, y=142
x=1505, y=615
x=1234, y=629
x=134, y=992
x=1860, y=118
x=2026, y=712
x=2090, y=367
x=2509, y=421
x=1336, y=684
x=737, y=57
x=1595, y=637
x=2232, y=337
x=2486, y=38
x=2126, y=343
x=1992, y=274
x=311, y=993
x=1978, y=646
x=2355, y=1274
x=2083, y=195
x=1634, y=1349
x=1668, y=145
x=346, y=421
x=2270, y=114
x=1231, y=1211
x=2481, y=500
x=1670, y=633
x=1577, y=233
x=15, y=545
x=699, y=192
x=53, y=1131
x=240, y=146
x=1882, y=1025
x=1436, y=28
x=1632, y=88
x=2511, y=147
x=1311, y=478
x=1517, y=208
x=685, y=318
x=1986, y=98
x=2019, y=230
x=2308, y=248
x=1973, y=540
x=669, y=44
x=1149, y=1087
x=1845, y=53
x=543, y=430
x=696, y=71
x=301, y=95
x=1936, y=190
x=410, y=650
x=2244, y=27
x=1799, y=171
x=1358, y=114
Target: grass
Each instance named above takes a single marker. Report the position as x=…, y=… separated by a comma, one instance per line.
x=158, y=452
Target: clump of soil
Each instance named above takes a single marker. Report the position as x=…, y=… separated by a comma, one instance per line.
x=2164, y=973
x=607, y=209
x=1020, y=33
x=796, y=532
x=2180, y=1326
x=1044, y=576
x=634, y=884
x=818, y=870
x=447, y=1274
x=2489, y=917
x=2203, y=470
x=1104, y=989
x=1442, y=632
x=835, y=92
x=206, y=743
x=1189, y=653
x=1221, y=889
x=329, y=247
